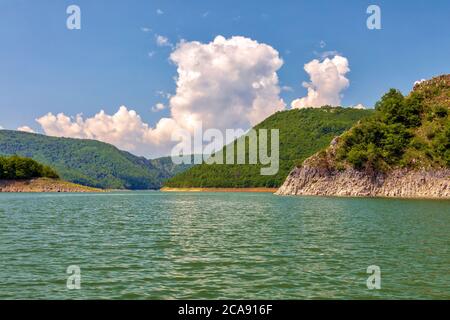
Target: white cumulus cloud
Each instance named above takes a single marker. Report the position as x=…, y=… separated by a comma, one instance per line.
x=158, y=107
x=419, y=81
x=327, y=82
x=358, y=106
x=225, y=84
x=25, y=129
x=124, y=129
x=162, y=41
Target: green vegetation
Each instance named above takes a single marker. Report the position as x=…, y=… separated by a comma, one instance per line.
x=89, y=162
x=24, y=168
x=411, y=131
x=302, y=133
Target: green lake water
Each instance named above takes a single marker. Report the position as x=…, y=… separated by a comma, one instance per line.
x=153, y=245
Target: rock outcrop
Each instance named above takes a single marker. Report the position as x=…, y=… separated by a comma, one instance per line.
x=401, y=183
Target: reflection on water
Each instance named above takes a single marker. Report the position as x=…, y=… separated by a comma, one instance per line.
x=153, y=245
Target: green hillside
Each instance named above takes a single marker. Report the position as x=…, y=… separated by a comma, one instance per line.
x=89, y=162
x=405, y=131
x=302, y=133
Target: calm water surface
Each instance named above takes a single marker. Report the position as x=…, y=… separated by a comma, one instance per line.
x=153, y=245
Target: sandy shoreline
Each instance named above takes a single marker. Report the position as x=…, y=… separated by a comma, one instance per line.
x=266, y=190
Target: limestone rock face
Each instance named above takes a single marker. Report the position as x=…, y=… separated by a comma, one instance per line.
x=402, y=183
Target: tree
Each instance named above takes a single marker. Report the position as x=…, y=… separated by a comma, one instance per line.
x=16, y=167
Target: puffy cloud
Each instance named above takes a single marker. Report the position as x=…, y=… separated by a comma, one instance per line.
x=225, y=84
x=158, y=107
x=327, y=81
x=25, y=129
x=162, y=41
x=146, y=29
x=419, y=81
x=159, y=12
x=358, y=106
x=124, y=129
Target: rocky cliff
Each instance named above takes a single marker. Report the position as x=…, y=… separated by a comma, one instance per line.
x=319, y=176
x=402, y=183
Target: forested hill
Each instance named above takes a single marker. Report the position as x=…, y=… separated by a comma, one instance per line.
x=402, y=150
x=303, y=132
x=89, y=162
x=410, y=131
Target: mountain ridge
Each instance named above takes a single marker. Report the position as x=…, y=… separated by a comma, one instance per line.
x=89, y=162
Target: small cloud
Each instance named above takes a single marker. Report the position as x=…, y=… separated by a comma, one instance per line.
x=322, y=44
x=205, y=14
x=159, y=12
x=145, y=29
x=151, y=54
x=163, y=94
x=162, y=41
x=419, y=81
x=1, y=128
x=158, y=107
x=359, y=106
x=287, y=88
x=25, y=129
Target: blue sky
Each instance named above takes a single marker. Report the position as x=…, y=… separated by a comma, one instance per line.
x=47, y=68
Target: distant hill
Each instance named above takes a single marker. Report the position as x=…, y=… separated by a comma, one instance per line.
x=302, y=133
x=89, y=162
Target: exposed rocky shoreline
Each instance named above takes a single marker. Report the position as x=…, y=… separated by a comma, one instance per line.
x=43, y=185
x=263, y=190
x=399, y=183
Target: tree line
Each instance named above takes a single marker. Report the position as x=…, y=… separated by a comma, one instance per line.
x=16, y=167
